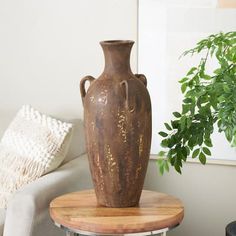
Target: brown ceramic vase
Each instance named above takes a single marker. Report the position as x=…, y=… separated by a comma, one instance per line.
x=117, y=116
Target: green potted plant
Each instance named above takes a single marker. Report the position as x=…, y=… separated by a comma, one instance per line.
x=209, y=99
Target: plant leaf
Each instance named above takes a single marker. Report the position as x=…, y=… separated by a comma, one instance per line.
x=188, y=100
x=183, y=80
x=161, y=153
x=207, y=77
x=184, y=87
x=177, y=168
x=166, y=166
x=177, y=114
x=202, y=158
x=164, y=143
x=208, y=143
x=191, y=71
x=196, y=152
x=206, y=151
x=167, y=126
x=163, y=134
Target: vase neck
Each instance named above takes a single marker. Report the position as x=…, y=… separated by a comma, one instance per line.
x=117, y=56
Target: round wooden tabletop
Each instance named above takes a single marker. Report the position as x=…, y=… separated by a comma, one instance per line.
x=79, y=211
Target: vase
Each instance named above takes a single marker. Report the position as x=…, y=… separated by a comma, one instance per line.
x=117, y=119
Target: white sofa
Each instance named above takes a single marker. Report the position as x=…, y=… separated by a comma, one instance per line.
x=27, y=213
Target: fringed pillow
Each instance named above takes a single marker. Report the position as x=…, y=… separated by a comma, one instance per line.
x=33, y=145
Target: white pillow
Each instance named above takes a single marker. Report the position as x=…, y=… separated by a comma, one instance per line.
x=33, y=145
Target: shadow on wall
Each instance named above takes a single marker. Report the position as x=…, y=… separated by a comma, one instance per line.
x=77, y=146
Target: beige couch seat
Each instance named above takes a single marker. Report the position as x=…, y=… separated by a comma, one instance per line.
x=27, y=212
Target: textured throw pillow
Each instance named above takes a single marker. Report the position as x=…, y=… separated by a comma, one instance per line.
x=33, y=145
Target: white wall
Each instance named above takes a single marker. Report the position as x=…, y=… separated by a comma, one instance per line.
x=207, y=192
x=47, y=46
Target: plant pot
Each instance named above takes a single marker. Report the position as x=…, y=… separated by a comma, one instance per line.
x=117, y=116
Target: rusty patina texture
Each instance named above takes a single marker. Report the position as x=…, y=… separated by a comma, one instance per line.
x=117, y=116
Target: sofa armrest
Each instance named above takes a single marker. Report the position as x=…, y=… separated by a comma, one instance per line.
x=31, y=202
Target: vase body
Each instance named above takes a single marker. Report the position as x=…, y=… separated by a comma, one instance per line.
x=117, y=116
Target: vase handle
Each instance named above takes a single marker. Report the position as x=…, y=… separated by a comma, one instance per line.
x=125, y=83
x=142, y=78
x=82, y=85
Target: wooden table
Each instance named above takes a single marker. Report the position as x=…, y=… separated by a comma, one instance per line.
x=79, y=214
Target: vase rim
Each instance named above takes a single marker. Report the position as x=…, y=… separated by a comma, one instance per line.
x=116, y=42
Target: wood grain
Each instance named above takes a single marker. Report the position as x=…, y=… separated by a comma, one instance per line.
x=80, y=211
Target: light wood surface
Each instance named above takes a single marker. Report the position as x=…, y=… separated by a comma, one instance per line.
x=80, y=211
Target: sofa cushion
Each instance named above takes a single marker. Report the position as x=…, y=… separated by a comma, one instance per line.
x=33, y=145
x=2, y=220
